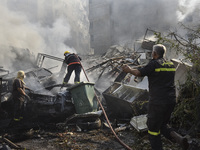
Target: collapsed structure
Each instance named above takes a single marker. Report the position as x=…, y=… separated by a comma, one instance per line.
x=124, y=98
x=46, y=84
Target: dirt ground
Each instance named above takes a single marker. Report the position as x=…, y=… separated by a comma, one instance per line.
x=72, y=138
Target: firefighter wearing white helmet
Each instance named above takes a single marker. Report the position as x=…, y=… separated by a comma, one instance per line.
x=19, y=95
x=73, y=62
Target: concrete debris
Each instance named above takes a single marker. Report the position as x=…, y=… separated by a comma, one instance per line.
x=75, y=106
x=182, y=69
x=110, y=65
x=147, y=44
x=48, y=99
x=3, y=71
x=117, y=51
x=139, y=122
x=85, y=121
x=121, y=128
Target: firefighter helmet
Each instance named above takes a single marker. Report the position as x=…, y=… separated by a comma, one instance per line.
x=66, y=52
x=20, y=74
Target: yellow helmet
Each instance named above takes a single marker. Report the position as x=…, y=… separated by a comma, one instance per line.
x=20, y=74
x=66, y=52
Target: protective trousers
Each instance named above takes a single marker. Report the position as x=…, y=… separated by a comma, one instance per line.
x=157, y=119
x=18, y=108
x=70, y=69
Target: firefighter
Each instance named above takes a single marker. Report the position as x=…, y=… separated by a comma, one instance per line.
x=19, y=95
x=73, y=62
x=162, y=99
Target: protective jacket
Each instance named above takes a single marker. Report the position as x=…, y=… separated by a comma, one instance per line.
x=160, y=75
x=16, y=94
x=73, y=65
x=72, y=59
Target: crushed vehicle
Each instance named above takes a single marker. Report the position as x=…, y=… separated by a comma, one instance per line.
x=49, y=99
x=46, y=97
x=76, y=105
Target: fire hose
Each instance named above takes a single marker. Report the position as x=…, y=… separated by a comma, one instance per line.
x=120, y=141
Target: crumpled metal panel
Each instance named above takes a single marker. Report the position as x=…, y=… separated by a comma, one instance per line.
x=120, y=99
x=147, y=44
x=50, y=104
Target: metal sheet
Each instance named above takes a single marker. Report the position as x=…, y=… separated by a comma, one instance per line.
x=121, y=100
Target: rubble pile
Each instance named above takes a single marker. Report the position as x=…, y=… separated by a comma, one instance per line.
x=108, y=66
x=69, y=117
x=117, y=51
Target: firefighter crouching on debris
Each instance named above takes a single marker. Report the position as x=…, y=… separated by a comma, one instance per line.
x=19, y=95
x=162, y=99
x=73, y=62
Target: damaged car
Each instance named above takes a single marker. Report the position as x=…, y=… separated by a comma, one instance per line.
x=47, y=99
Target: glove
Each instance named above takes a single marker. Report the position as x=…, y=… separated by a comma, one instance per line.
x=28, y=98
x=31, y=91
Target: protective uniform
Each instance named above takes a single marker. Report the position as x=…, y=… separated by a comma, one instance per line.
x=162, y=99
x=18, y=97
x=73, y=65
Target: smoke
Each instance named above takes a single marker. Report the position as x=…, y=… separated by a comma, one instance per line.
x=187, y=8
x=39, y=27
x=16, y=31
x=55, y=37
x=131, y=18
x=52, y=27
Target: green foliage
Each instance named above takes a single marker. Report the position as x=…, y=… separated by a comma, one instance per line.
x=186, y=114
x=189, y=46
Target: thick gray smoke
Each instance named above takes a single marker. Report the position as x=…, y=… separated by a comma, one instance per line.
x=17, y=31
x=52, y=27
x=189, y=9
x=40, y=27
x=128, y=19
x=133, y=17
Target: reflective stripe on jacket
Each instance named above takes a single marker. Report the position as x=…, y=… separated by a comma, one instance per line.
x=160, y=75
x=74, y=63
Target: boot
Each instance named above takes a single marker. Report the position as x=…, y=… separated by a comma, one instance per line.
x=182, y=141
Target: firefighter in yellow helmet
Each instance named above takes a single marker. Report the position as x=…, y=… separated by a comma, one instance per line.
x=19, y=95
x=73, y=62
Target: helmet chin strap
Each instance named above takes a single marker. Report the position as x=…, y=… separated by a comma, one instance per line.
x=22, y=79
x=67, y=54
